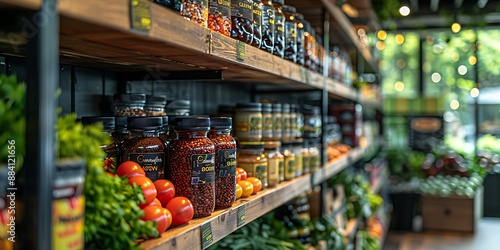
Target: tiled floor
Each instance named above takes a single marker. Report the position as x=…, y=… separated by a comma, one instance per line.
x=487, y=237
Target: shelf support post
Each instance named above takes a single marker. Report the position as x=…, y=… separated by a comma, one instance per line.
x=41, y=104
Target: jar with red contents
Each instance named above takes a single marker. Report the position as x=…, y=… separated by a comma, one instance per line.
x=219, y=16
x=242, y=20
x=144, y=145
x=225, y=161
x=257, y=23
x=192, y=163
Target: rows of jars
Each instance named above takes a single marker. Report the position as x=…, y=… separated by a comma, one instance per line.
x=269, y=25
x=199, y=155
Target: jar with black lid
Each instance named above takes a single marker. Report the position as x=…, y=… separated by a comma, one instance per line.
x=248, y=121
x=164, y=129
x=144, y=145
x=277, y=122
x=299, y=20
x=290, y=33
x=219, y=16
x=252, y=159
x=171, y=4
x=257, y=23
x=267, y=121
x=129, y=104
x=275, y=163
x=120, y=133
x=178, y=107
x=155, y=105
x=196, y=11
x=279, y=28
x=242, y=20
x=192, y=163
x=112, y=150
x=267, y=43
x=287, y=123
x=225, y=161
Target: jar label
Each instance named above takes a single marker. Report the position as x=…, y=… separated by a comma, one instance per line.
x=255, y=170
x=267, y=127
x=202, y=169
x=277, y=123
x=152, y=163
x=242, y=8
x=227, y=162
x=267, y=28
x=290, y=41
x=257, y=12
x=248, y=125
x=306, y=163
x=290, y=168
x=279, y=34
x=67, y=222
x=273, y=169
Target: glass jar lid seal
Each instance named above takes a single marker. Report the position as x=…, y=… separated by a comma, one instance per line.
x=221, y=122
x=144, y=123
x=191, y=123
x=179, y=104
x=156, y=100
x=251, y=106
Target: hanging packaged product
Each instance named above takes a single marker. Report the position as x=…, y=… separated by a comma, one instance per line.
x=192, y=163
x=275, y=163
x=155, y=105
x=267, y=122
x=242, y=20
x=178, y=107
x=248, y=122
x=279, y=28
x=196, y=11
x=219, y=16
x=267, y=29
x=129, y=104
x=299, y=20
x=252, y=159
x=289, y=161
x=112, y=150
x=225, y=161
x=277, y=122
x=145, y=147
x=257, y=23
x=290, y=33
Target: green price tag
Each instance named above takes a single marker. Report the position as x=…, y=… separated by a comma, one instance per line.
x=140, y=15
x=241, y=216
x=241, y=51
x=206, y=235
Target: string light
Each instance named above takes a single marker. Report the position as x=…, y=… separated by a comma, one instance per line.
x=456, y=27
x=404, y=10
x=474, y=92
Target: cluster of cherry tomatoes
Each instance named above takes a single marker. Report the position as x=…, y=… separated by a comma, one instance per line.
x=246, y=186
x=160, y=204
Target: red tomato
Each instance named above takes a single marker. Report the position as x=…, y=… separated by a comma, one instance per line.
x=169, y=216
x=238, y=177
x=130, y=169
x=153, y=213
x=243, y=173
x=166, y=191
x=182, y=210
x=155, y=202
x=147, y=186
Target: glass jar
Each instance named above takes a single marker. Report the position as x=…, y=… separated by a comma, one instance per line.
x=293, y=121
x=287, y=123
x=306, y=167
x=155, y=105
x=178, y=107
x=275, y=163
x=257, y=23
x=171, y=4
x=279, y=28
x=300, y=123
x=192, y=163
x=297, y=150
x=120, y=133
x=112, y=149
x=277, y=122
x=267, y=122
x=314, y=157
x=290, y=33
x=225, y=161
x=248, y=121
x=242, y=20
x=129, y=104
x=299, y=20
x=289, y=161
x=145, y=147
x=267, y=43
x=321, y=56
x=196, y=11
x=252, y=159
x=312, y=121
x=219, y=16
x=164, y=129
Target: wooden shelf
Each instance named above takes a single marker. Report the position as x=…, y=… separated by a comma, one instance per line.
x=333, y=167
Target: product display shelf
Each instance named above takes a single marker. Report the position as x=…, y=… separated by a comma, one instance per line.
x=333, y=167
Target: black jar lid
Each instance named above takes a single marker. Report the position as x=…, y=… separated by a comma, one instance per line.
x=288, y=8
x=299, y=17
x=144, y=123
x=192, y=123
x=108, y=123
x=251, y=145
x=121, y=121
x=277, y=107
x=219, y=122
x=279, y=2
x=250, y=106
x=311, y=110
x=267, y=107
x=286, y=108
x=164, y=120
x=179, y=104
x=156, y=100
x=130, y=98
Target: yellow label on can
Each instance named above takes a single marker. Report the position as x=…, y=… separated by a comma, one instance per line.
x=68, y=223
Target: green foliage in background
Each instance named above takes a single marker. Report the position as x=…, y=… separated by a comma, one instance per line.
x=405, y=163
x=325, y=229
x=12, y=120
x=489, y=142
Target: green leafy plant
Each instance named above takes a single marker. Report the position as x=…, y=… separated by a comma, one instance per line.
x=12, y=118
x=325, y=228
x=112, y=213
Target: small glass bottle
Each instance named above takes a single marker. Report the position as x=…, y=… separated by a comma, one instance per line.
x=277, y=122
x=196, y=11
x=279, y=28
x=192, y=163
x=145, y=147
x=248, y=121
x=290, y=33
x=155, y=105
x=112, y=150
x=299, y=20
x=287, y=123
x=267, y=122
x=289, y=161
x=267, y=43
x=252, y=159
x=242, y=20
x=225, y=161
x=257, y=23
x=219, y=16
x=275, y=163
x=297, y=150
